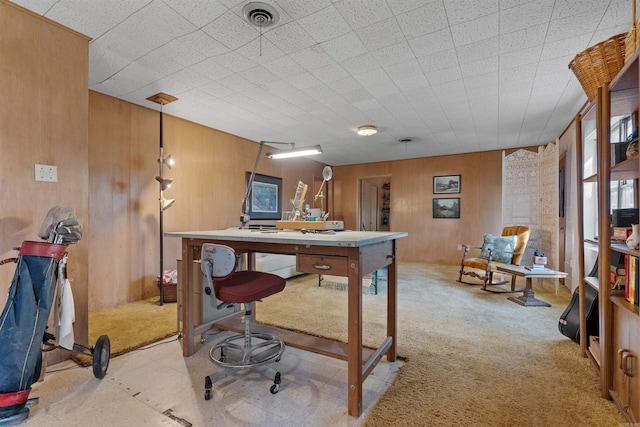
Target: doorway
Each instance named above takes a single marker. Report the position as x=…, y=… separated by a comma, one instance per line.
x=375, y=204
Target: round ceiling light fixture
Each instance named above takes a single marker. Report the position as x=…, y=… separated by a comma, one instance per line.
x=367, y=130
x=260, y=14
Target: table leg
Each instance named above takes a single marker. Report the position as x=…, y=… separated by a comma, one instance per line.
x=354, y=362
x=188, y=347
x=528, y=297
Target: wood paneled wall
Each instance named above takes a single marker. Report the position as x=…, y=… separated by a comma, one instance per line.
x=43, y=119
x=430, y=240
x=209, y=183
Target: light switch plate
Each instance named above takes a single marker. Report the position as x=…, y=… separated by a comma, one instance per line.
x=46, y=173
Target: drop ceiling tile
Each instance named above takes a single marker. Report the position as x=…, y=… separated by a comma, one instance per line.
x=344, y=47
x=235, y=62
x=523, y=38
x=154, y=61
x=432, y=43
x=191, y=48
x=212, y=68
x=459, y=11
x=261, y=51
x=259, y=75
x=403, y=70
x=284, y=67
x=618, y=12
x=476, y=30
x=381, y=34
x=439, y=61
x=481, y=80
x=525, y=15
x=103, y=63
x=564, y=47
x=384, y=89
x=553, y=65
x=517, y=88
x=330, y=73
x=154, y=25
x=394, y=54
x=525, y=71
x=357, y=95
x=236, y=83
x=319, y=91
x=325, y=24
x=427, y=19
x=312, y=58
x=373, y=78
x=345, y=85
x=436, y=78
x=526, y=56
x=231, y=30
x=198, y=13
x=298, y=9
x=190, y=77
x=289, y=37
x=568, y=27
x=489, y=92
x=483, y=66
x=360, y=64
x=217, y=90
x=304, y=80
x=567, y=8
x=361, y=13
x=89, y=18
x=479, y=50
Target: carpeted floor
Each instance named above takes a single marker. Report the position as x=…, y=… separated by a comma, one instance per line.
x=145, y=322
x=472, y=357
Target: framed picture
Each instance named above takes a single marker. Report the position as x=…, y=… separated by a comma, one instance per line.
x=446, y=208
x=447, y=184
x=265, y=200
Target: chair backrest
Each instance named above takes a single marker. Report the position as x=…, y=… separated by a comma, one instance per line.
x=217, y=262
x=522, y=237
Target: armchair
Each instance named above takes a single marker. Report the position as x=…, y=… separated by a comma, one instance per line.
x=506, y=249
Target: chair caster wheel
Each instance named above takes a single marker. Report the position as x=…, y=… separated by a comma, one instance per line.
x=276, y=384
x=207, y=388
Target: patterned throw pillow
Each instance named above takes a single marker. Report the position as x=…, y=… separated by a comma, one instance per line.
x=502, y=246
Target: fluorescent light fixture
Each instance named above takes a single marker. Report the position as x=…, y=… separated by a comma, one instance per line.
x=166, y=203
x=367, y=130
x=164, y=182
x=295, y=152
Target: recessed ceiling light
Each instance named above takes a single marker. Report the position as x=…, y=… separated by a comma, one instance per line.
x=367, y=130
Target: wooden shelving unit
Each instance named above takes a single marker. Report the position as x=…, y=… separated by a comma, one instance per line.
x=616, y=350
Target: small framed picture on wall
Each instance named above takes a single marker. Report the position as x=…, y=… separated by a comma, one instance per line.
x=446, y=184
x=446, y=208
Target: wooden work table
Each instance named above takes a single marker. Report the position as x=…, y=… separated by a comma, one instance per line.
x=344, y=253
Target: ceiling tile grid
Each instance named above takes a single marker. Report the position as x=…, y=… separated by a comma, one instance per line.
x=452, y=75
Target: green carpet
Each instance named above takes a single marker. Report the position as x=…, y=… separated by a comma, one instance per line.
x=131, y=326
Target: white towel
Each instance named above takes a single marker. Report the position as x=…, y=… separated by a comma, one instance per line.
x=67, y=316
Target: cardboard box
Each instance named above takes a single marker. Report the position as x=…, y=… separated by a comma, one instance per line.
x=310, y=225
x=621, y=233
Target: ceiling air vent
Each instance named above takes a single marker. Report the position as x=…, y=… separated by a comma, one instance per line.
x=260, y=14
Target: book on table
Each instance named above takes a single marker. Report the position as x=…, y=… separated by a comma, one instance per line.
x=540, y=270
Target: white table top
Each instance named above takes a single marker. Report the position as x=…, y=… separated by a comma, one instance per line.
x=339, y=238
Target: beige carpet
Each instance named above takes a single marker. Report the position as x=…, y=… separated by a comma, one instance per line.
x=473, y=358
x=131, y=326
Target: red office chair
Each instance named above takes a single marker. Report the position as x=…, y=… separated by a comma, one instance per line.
x=221, y=275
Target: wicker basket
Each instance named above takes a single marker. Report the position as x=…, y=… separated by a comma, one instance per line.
x=170, y=292
x=631, y=41
x=599, y=64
